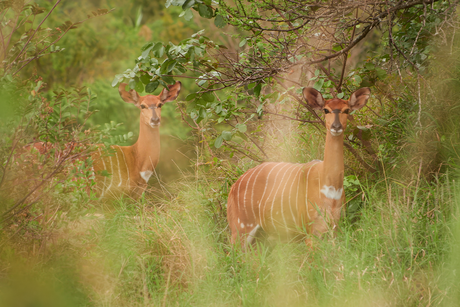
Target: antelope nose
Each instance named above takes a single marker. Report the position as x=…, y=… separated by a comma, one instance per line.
x=336, y=129
x=336, y=126
x=154, y=121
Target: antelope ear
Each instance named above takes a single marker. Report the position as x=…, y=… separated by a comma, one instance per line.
x=359, y=98
x=130, y=97
x=170, y=94
x=313, y=98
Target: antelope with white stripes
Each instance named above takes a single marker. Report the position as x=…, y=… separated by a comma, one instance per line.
x=285, y=200
x=130, y=167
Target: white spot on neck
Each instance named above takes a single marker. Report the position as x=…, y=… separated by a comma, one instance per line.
x=331, y=192
x=242, y=225
x=146, y=175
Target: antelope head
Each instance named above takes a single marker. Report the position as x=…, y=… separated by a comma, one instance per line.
x=336, y=109
x=150, y=105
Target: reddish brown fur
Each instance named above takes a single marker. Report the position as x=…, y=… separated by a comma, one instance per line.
x=286, y=200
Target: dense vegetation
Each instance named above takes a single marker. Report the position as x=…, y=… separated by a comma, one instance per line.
x=242, y=65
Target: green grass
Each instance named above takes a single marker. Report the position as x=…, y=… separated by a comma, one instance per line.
x=397, y=250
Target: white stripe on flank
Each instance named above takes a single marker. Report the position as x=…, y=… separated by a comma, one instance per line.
x=126, y=165
x=252, y=191
x=105, y=169
x=265, y=189
x=282, y=193
x=306, y=192
x=238, y=194
x=119, y=169
x=282, y=197
x=111, y=172
x=290, y=194
x=331, y=192
x=268, y=198
x=246, y=191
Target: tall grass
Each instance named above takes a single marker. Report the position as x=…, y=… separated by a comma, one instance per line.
x=399, y=250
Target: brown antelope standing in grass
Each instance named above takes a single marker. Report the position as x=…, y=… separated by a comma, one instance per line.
x=286, y=200
x=130, y=167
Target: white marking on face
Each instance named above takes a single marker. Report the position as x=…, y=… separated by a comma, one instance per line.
x=242, y=225
x=331, y=192
x=238, y=220
x=336, y=132
x=146, y=175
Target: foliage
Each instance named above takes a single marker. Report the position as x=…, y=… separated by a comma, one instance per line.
x=45, y=145
x=23, y=42
x=244, y=90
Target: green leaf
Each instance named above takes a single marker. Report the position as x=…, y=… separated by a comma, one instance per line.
x=241, y=128
x=167, y=66
x=318, y=85
x=187, y=14
x=208, y=97
x=381, y=74
x=220, y=21
x=139, y=87
x=257, y=89
x=158, y=50
x=218, y=141
x=242, y=43
x=146, y=46
x=168, y=80
x=145, y=78
x=190, y=97
x=357, y=80
x=165, y=85
x=205, y=11
x=188, y=4
x=174, y=3
x=340, y=95
x=227, y=135
x=151, y=87
x=115, y=81
x=146, y=52
x=132, y=84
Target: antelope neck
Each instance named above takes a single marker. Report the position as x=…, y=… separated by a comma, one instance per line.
x=147, y=147
x=333, y=168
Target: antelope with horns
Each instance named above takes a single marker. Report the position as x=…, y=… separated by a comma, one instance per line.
x=284, y=200
x=130, y=167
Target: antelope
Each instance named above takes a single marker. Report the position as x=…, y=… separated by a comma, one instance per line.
x=130, y=167
x=287, y=200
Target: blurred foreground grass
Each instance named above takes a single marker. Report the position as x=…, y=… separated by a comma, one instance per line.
x=398, y=250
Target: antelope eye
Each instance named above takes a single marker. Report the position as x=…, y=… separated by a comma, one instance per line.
x=326, y=111
x=347, y=111
x=143, y=107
